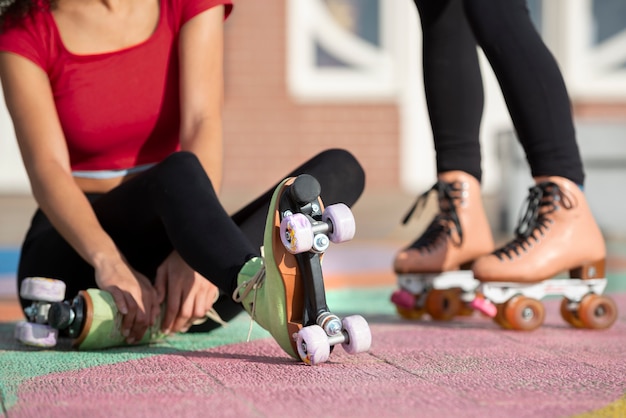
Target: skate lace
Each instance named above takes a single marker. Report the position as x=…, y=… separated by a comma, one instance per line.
x=543, y=199
x=212, y=314
x=448, y=193
x=244, y=290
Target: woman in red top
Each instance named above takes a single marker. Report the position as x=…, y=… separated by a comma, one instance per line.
x=117, y=111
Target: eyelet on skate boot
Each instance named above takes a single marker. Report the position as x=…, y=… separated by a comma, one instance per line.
x=556, y=234
x=433, y=273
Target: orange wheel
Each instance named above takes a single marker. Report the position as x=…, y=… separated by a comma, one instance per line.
x=524, y=314
x=412, y=314
x=499, y=318
x=443, y=305
x=571, y=317
x=466, y=310
x=597, y=311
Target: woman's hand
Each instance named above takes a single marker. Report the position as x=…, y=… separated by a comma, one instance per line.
x=189, y=295
x=134, y=296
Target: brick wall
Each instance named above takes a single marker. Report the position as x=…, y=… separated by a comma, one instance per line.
x=267, y=133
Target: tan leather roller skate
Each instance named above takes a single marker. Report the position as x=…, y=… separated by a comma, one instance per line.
x=433, y=273
x=556, y=234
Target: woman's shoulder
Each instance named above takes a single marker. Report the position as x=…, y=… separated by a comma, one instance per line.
x=29, y=35
x=184, y=10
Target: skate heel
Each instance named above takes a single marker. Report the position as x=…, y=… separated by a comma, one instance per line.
x=588, y=271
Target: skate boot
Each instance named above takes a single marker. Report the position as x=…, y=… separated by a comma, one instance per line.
x=433, y=273
x=283, y=291
x=556, y=234
x=91, y=320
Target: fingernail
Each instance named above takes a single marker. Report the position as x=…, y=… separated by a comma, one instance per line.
x=130, y=340
x=126, y=332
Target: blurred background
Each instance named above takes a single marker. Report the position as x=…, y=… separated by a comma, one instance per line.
x=306, y=75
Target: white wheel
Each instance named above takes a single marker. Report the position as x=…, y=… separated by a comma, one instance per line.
x=42, y=289
x=313, y=345
x=296, y=233
x=359, y=334
x=37, y=335
x=342, y=220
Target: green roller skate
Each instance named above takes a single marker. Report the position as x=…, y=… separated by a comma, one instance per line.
x=91, y=319
x=284, y=290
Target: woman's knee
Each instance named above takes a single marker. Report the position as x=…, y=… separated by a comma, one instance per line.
x=179, y=173
x=180, y=162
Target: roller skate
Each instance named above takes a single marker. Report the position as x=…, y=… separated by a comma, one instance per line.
x=283, y=291
x=91, y=319
x=434, y=275
x=556, y=234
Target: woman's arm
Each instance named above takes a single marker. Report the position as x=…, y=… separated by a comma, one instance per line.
x=189, y=295
x=202, y=89
x=44, y=151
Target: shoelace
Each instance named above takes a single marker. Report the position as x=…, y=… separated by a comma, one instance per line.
x=448, y=194
x=212, y=315
x=543, y=199
x=253, y=284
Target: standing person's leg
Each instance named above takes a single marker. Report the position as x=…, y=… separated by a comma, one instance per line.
x=558, y=231
x=532, y=86
x=453, y=86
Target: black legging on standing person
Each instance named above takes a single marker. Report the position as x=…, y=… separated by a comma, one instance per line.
x=173, y=206
x=529, y=77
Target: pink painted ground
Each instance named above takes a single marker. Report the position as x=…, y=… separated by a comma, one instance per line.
x=465, y=368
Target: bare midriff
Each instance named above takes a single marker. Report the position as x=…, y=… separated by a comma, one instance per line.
x=90, y=185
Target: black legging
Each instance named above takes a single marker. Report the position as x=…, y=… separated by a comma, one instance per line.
x=528, y=74
x=174, y=206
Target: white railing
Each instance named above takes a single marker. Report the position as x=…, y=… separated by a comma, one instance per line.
x=593, y=71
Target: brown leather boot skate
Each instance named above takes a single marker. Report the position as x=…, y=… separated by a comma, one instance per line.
x=459, y=233
x=556, y=234
x=433, y=272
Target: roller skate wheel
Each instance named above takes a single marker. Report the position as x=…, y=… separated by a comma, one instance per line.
x=443, y=304
x=296, y=233
x=36, y=335
x=359, y=334
x=342, y=220
x=412, y=314
x=570, y=314
x=313, y=345
x=597, y=311
x=403, y=299
x=42, y=289
x=524, y=313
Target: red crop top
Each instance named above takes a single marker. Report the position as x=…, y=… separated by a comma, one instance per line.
x=120, y=109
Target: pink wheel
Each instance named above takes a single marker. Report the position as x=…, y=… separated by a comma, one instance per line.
x=313, y=345
x=37, y=335
x=403, y=299
x=42, y=289
x=359, y=334
x=484, y=306
x=342, y=220
x=296, y=233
